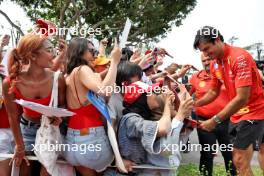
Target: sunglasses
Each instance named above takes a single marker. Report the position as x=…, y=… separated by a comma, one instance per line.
x=93, y=51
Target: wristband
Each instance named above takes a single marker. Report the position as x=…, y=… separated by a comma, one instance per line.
x=217, y=119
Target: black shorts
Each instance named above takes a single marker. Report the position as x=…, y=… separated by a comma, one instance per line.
x=247, y=132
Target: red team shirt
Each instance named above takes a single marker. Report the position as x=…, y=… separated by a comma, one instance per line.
x=238, y=69
x=201, y=83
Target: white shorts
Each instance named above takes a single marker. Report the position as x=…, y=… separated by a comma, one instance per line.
x=7, y=142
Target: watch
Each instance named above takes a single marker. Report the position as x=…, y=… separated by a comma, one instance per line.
x=217, y=119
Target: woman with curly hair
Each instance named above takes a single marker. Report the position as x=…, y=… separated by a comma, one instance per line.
x=32, y=83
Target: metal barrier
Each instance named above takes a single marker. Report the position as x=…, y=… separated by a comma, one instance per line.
x=15, y=170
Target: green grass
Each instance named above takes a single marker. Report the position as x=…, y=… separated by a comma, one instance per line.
x=219, y=170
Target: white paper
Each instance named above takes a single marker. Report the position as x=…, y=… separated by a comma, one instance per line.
x=125, y=33
x=45, y=110
x=113, y=142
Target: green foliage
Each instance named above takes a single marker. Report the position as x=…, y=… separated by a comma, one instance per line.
x=152, y=18
x=218, y=170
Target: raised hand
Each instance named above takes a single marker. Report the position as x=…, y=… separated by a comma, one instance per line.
x=116, y=53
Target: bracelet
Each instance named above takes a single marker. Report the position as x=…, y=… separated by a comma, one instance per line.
x=20, y=151
x=217, y=119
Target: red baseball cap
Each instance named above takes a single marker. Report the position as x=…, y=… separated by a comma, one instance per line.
x=136, y=89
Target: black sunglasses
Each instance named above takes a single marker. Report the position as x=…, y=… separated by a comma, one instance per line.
x=93, y=51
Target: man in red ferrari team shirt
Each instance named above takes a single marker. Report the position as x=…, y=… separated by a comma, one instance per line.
x=236, y=69
x=200, y=83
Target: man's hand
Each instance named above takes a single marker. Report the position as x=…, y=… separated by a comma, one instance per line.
x=208, y=125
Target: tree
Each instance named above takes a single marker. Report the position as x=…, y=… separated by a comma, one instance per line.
x=15, y=30
x=152, y=19
x=232, y=40
x=257, y=47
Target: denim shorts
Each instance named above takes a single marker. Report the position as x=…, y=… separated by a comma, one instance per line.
x=29, y=134
x=7, y=142
x=91, y=150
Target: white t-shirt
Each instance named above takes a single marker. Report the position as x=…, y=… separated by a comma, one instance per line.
x=115, y=106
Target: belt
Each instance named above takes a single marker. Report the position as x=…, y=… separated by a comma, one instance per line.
x=28, y=122
x=85, y=131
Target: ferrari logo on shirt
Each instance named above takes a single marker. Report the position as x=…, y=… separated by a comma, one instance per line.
x=202, y=84
x=243, y=110
x=217, y=71
x=218, y=74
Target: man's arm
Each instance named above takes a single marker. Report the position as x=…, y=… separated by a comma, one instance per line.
x=231, y=108
x=209, y=97
x=240, y=100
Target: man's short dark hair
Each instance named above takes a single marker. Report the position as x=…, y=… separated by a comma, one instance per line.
x=207, y=34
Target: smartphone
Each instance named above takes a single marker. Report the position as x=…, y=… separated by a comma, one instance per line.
x=118, y=38
x=109, y=42
x=191, y=122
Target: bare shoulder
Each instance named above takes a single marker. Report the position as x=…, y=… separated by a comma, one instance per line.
x=85, y=72
x=85, y=69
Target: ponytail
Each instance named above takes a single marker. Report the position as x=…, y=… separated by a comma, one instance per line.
x=14, y=67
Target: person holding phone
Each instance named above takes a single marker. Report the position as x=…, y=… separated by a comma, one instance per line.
x=200, y=83
x=86, y=127
x=141, y=137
